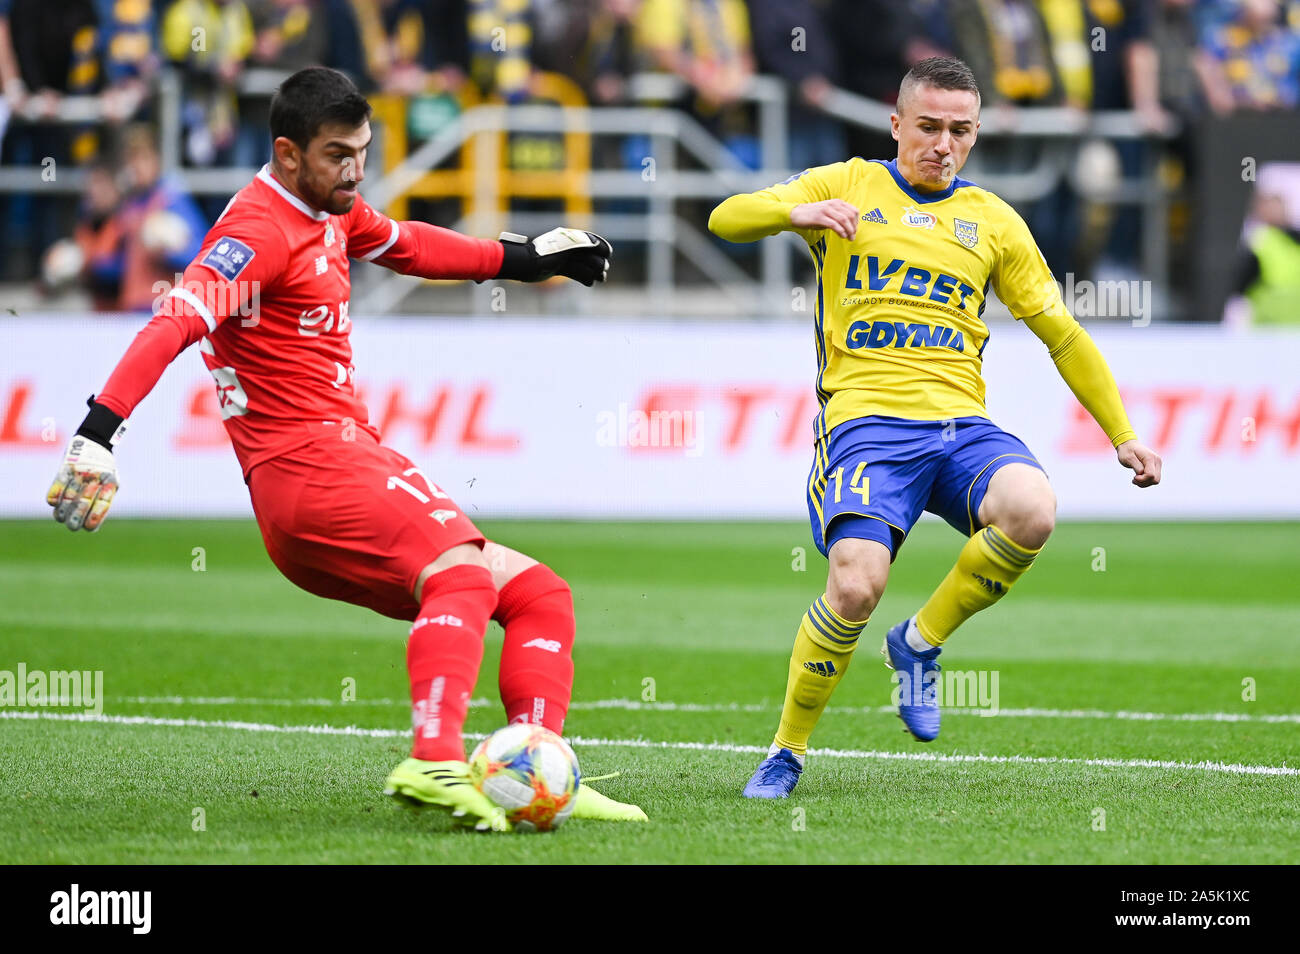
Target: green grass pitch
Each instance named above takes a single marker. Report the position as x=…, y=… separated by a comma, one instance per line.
x=683, y=640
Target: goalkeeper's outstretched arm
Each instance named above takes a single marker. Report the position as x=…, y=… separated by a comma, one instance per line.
x=430, y=251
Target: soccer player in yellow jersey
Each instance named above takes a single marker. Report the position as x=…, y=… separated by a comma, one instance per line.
x=905, y=253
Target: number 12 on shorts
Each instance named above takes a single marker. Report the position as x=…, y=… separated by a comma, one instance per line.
x=859, y=485
x=396, y=482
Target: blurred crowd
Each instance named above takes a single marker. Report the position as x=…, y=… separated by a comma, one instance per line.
x=1161, y=58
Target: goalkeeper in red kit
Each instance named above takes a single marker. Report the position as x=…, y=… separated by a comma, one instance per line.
x=343, y=516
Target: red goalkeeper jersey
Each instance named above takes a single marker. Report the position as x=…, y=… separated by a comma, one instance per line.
x=267, y=300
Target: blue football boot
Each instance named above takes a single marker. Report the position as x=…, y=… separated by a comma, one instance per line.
x=776, y=776
x=918, y=707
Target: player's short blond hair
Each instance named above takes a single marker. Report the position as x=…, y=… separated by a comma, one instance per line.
x=939, y=72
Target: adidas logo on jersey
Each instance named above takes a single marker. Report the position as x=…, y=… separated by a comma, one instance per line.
x=875, y=215
x=826, y=668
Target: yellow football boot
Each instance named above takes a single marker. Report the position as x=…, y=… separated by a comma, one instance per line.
x=589, y=803
x=448, y=785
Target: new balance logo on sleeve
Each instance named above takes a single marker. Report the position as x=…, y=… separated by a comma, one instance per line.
x=550, y=645
x=826, y=668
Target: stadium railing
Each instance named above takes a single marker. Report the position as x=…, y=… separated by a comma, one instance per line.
x=686, y=162
x=676, y=136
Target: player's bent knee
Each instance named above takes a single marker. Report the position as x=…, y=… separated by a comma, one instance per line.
x=1028, y=525
x=464, y=554
x=853, y=592
x=506, y=564
x=1034, y=519
x=538, y=580
x=1022, y=504
x=858, y=573
x=1041, y=522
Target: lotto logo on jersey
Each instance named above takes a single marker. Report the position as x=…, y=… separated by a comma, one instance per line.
x=917, y=219
x=228, y=258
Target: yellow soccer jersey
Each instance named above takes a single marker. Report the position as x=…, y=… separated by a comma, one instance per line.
x=897, y=322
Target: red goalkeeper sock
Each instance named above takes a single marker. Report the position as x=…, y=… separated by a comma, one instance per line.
x=443, y=656
x=536, y=682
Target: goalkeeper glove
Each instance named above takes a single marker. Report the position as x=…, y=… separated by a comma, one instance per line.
x=573, y=253
x=84, y=487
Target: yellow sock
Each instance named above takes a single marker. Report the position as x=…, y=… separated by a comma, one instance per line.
x=987, y=566
x=822, y=650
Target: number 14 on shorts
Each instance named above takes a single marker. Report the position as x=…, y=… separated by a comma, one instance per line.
x=859, y=485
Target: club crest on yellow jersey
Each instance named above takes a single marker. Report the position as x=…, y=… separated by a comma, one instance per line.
x=967, y=232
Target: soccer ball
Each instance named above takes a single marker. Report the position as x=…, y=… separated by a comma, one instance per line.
x=530, y=772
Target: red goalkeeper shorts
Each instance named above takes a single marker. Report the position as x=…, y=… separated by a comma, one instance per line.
x=353, y=520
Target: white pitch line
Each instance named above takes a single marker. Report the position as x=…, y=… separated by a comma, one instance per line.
x=204, y=724
x=1230, y=768
x=635, y=705
x=255, y=701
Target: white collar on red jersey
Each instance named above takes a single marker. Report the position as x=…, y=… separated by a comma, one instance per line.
x=265, y=175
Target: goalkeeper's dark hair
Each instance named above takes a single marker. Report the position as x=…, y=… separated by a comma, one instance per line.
x=940, y=72
x=311, y=98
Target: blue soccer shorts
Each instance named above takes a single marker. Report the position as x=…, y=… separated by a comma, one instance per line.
x=875, y=475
